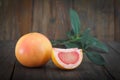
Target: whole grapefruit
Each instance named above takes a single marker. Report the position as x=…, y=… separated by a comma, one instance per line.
x=33, y=49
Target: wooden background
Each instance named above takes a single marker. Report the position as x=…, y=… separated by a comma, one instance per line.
x=51, y=17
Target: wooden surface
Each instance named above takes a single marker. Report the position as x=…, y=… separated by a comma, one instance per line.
x=117, y=19
x=11, y=69
x=51, y=17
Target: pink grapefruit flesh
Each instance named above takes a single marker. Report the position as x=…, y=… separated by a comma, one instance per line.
x=68, y=57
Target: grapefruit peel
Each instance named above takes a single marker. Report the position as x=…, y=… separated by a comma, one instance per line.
x=33, y=50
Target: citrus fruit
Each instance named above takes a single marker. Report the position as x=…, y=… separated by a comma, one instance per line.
x=33, y=49
x=67, y=58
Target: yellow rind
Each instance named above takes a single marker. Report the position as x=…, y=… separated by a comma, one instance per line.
x=55, y=61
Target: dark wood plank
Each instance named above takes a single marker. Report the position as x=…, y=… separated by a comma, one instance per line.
x=7, y=60
x=25, y=73
x=23, y=13
x=8, y=29
x=1, y=17
x=115, y=46
x=86, y=71
x=51, y=17
x=104, y=19
x=15, y=18
x=55, y=73
x=112, y=59
x=59, y=21
x=52, y=20
x=117, y=19
x=37, y=15
x=62, y=18
x=41, y=16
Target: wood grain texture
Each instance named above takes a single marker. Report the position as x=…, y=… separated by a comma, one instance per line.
x=51, y=17
x=24, y=73
x=112, y=65
x=41, y=16
x=105, y=19
x=62, y=18
x=23, y=14
x=115, y=46
x=7, y=20
x=7, y=60
x=37, y=15
x=117, y=20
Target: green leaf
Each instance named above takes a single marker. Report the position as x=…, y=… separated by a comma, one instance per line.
x=71, y=45
x=70, y=35
x=88, y=40
x=84, y=37
x=98, y=44
x=75, y=22
x=95, y=58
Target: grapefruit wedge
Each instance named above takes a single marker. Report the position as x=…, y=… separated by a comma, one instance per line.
x=67, y=58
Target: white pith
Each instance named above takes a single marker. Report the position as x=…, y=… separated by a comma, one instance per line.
x=68, y=66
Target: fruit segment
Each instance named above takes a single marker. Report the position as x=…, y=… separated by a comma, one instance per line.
x=67, y=58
